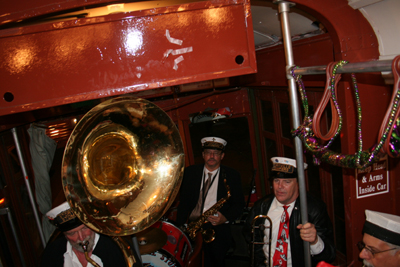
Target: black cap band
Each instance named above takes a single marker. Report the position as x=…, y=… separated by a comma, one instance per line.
x=213, y=145
x=283, y=175
x=381, y=233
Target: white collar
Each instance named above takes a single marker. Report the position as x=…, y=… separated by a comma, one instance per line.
x=212, y=172
x=276, y=204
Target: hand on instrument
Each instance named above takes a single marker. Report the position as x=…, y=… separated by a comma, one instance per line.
x=308, y=233
x=217, y=220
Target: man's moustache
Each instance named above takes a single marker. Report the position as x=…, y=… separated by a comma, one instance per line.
x=86, y=242
x=367, y=264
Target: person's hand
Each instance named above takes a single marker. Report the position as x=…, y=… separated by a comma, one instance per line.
x=217, y=220
x=308, y=233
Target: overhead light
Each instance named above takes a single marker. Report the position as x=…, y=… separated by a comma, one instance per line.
x=116, y=8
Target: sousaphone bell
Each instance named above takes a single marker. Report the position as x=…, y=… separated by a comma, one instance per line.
x=122, y=166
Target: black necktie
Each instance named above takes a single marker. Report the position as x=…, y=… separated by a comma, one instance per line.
x=197, y=211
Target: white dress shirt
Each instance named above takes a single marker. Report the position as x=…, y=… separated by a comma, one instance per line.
x=211, y=197
x=275, y=213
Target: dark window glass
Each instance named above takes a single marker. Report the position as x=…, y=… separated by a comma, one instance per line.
x=268, y=119
x=289, y=152
x=338, y=202
x=314, y=182
x=285, y=120
x=270, y=149
x=2, y=178
x=310, y=110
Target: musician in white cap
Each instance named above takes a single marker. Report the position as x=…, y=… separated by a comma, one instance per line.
x=67, y=249
x=202, y=187
x=380, y=246
x=288, y=233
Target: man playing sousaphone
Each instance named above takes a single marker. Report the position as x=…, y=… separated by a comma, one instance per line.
x=202, y=187
x=68, y=248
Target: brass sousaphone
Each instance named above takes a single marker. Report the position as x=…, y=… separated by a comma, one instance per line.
x=122, y=167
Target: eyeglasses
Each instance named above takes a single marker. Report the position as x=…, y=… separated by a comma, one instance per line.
x=215, y=153
x=361, y=246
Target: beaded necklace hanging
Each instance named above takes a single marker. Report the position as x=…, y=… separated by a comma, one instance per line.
x=392, y=145
x=361, y=159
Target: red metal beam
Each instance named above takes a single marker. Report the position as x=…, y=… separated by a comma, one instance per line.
x=25, y=9
x=59, y=63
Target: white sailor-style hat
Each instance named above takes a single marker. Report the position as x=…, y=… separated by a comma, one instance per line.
x=383, y=226
x=284, y=168
x=63, y=217
x=213, y=143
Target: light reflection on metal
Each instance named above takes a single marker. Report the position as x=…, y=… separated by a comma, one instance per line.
x=133, y=41
x=67, y=47
x=122, y=166
x=164, y=169
x=215, y=16
x=20, y=58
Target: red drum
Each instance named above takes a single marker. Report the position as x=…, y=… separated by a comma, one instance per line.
x=175, y=252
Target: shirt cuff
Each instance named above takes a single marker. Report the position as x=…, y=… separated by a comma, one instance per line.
x=317, y=247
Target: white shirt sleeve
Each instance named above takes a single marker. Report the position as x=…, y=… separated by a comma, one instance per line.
x=317, y=247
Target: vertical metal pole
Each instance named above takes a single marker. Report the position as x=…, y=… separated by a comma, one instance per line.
x=284, y=8
x=21, y=160
x=7, y=211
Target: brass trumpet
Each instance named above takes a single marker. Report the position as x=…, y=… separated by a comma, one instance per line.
x=262, y=227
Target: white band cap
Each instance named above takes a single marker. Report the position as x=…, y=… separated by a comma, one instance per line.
x=52, y=214
x=213, y=143
x=384, y=220
x=287, y=161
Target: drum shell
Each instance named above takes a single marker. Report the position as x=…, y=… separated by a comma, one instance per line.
x=177, y=248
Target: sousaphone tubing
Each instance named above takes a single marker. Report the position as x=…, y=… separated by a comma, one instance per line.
x=122, y=166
